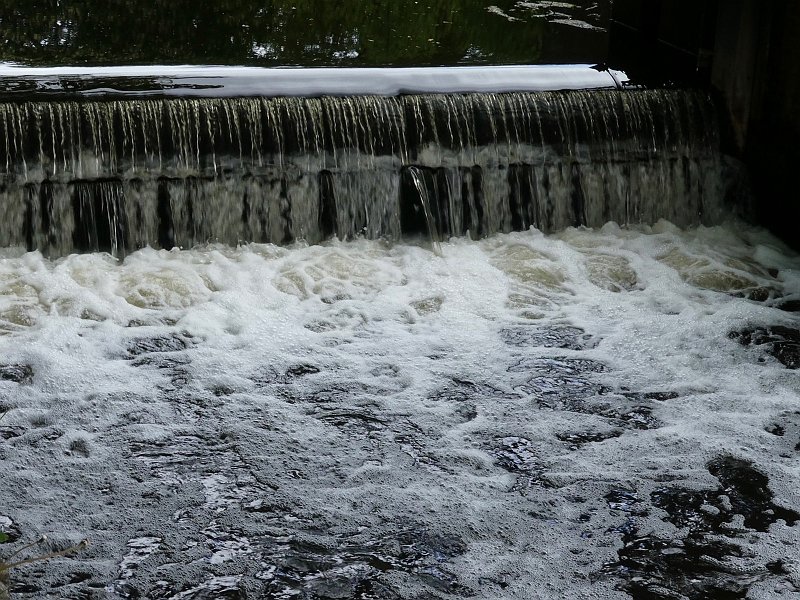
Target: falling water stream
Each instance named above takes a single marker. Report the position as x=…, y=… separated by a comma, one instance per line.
x=120, y=175
x=230, y=359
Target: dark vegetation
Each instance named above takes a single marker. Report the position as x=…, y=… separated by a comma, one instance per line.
x=284, y=32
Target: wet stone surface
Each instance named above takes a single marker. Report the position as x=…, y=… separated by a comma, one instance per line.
x=781, y=342
x=8, y=432
x=166, y=353
x=224, y=588
x=459, y=390
x=578, y=439
x=518, y=456
x=786, y=427
x=353, y=568
x=559, y=382
x=22, y=374
x=646, y=396
x=157, y=344
x=555, y=336
x=791, y=305
x=709, y=560
x=310, y=565
x=566, y=384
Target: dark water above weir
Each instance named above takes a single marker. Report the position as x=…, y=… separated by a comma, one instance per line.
x=119, y=175
x=286, y=32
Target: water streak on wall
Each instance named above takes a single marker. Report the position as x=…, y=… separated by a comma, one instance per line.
x=118, y=175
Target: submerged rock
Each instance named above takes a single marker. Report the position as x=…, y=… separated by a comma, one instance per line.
x=644, y=396
x=789, y=305
x=516, y=454
x=354, y=568
x=578, y=439
x=555, y=336
x=215, y=588
x=707, y=561
x=162, y=343
x=560, y=383
x=612, y=273
x=22, y=374
x=781, y=342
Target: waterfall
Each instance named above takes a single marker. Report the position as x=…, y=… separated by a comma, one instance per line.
x=115, y=176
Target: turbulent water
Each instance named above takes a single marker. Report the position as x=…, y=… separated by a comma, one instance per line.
x=604, y=413
x=120, y=175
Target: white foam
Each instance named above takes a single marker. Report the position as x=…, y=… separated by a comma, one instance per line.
x=369, y=444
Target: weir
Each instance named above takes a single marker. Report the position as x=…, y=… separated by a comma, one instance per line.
x=131, y=169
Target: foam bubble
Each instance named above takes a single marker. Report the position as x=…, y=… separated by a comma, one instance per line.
x=318, y=418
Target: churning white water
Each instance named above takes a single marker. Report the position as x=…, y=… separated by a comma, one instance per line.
x=501, y=419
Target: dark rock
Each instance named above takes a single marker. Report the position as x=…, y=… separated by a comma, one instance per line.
x=561, y=392
x=781, y=342
x=701, y=564
x=562, y=365
x=627, y=501
x=296, y=371
x=353, y=568
x=760, y=294
x=516, y=454
x=657, y=396
x=162, y=343
x=657, y=569
x=579, y=439
x=22, y=374
x=463, y=390
x=789, y=305
x=556, y=336
x=11, y=431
